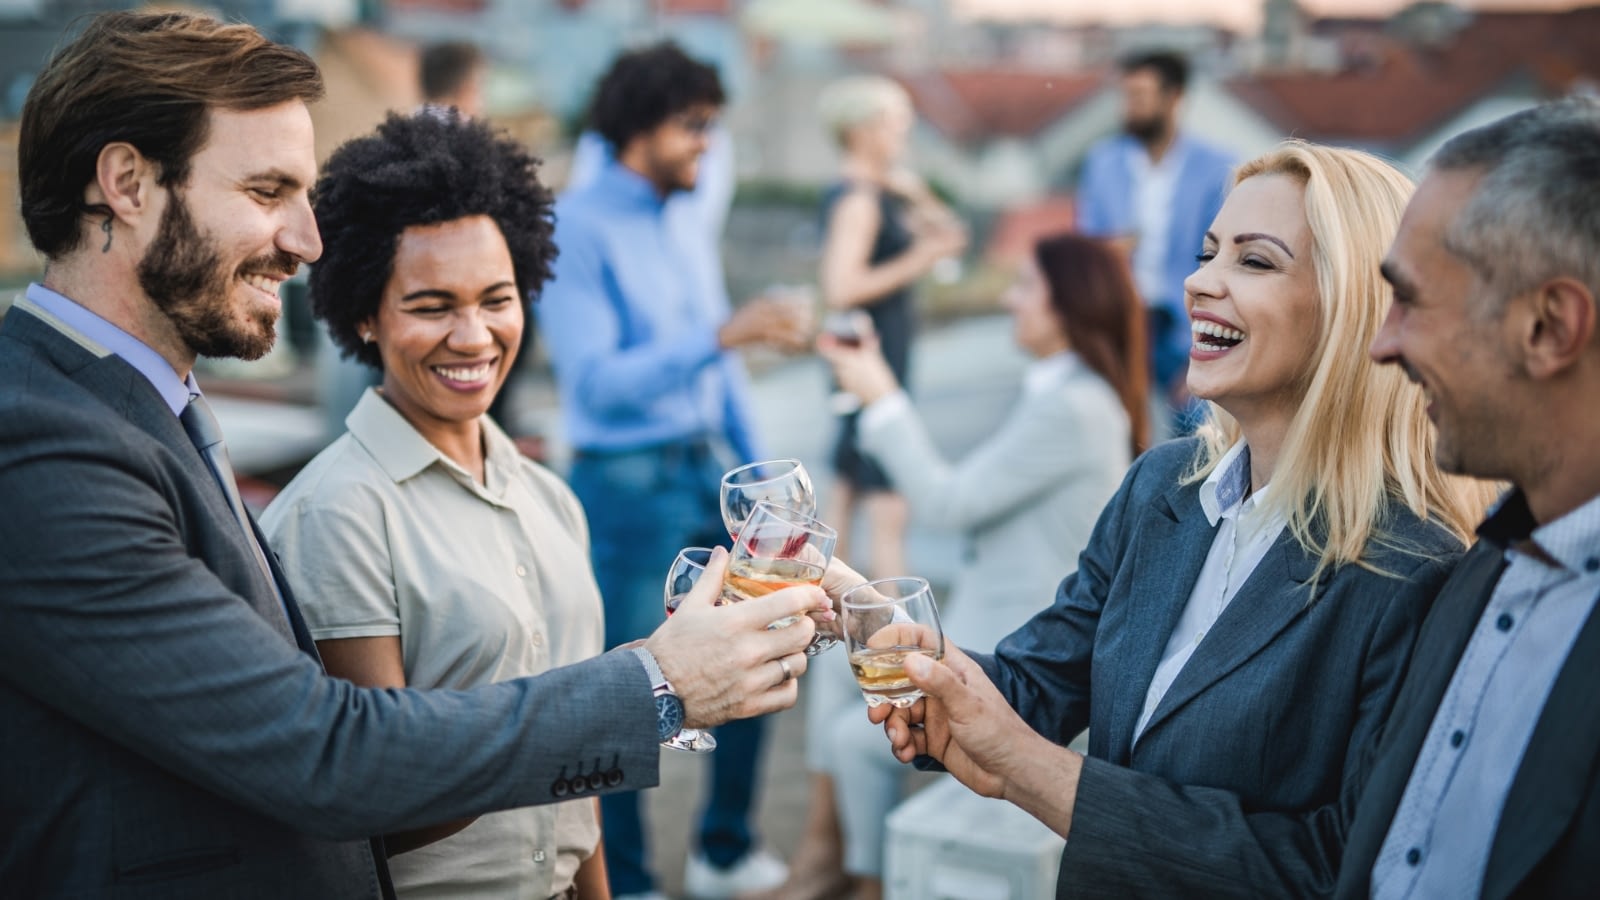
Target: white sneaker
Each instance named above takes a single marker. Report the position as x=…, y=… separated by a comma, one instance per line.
x=758, y=870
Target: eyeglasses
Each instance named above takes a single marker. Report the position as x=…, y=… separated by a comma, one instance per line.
x=694, y=123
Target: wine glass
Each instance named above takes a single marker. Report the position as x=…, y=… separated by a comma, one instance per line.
x=884, y=622
x=779, y=547
x=781, y=482
x=686, y=570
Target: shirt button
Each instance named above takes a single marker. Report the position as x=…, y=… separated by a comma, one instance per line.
x=1413, y=856
x=1505, y=622
x=1458, y=738
x=522, y=571
x=1592, y=564
x=537, y=639
x=538, y=856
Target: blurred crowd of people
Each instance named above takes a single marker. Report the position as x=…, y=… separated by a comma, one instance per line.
x=1292, y=516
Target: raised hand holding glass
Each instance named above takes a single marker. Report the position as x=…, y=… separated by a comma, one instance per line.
x=884, y=622
x=779, y=547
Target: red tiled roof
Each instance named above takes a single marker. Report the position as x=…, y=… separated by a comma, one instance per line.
x=1020, y=227
x=974, y=104
x=722, y=8
x=451, y=6
x=1400, y=92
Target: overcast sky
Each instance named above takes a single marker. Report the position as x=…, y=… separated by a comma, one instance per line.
x=1242, y=15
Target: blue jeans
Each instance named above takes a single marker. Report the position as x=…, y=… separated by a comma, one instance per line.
x=643, y=507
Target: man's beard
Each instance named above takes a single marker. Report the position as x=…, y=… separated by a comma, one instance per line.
x=1146, y=131
x=182, y=273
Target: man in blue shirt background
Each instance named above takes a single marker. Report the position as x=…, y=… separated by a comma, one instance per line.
x=655, y=402
x=1154, y=191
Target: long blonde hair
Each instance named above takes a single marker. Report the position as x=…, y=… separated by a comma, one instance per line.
x=1361, y=436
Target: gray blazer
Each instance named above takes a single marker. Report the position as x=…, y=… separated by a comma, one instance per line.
x=162, y=738
x=1027, y=497
x=1546, y=842
x=1234, y=789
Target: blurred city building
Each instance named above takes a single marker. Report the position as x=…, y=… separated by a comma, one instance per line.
x=1006, y=108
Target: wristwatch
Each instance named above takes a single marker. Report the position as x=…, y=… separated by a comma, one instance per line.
x=669, y=709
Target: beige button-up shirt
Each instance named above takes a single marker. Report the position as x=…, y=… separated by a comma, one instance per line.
x=381, y=534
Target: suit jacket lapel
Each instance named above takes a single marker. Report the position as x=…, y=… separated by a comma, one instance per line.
x=1444, y=638
x=1274, y=595
x=297, y=622
x=1173, y=541
x=1559, y=760
x=121, y=387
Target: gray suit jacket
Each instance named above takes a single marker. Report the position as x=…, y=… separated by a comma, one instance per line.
x=1027, y=496
x=166, y=735
x=1243, y=780
x=1547, y=843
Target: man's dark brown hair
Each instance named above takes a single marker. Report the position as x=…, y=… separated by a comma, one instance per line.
x=150, y=80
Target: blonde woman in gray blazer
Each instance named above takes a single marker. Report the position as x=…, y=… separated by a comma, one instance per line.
x=1027, y=498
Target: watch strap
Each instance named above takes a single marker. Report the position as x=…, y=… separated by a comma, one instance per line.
x=652, y=669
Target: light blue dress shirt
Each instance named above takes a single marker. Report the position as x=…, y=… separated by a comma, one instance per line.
x=152, y=365
x=630, y=319
x=1438, y=844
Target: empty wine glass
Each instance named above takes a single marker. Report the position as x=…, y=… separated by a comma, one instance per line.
x=779, y=547
x=781, y=482
x=884, y=622
x=686, y=570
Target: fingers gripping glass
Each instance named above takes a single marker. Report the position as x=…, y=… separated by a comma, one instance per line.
x=685, y=573
x=884, y=622
x=779, y=548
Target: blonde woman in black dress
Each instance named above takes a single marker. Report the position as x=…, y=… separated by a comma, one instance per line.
x=883, y=230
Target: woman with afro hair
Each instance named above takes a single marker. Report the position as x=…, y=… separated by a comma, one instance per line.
x=431, y=553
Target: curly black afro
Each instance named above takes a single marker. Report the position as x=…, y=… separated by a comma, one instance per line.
x=419, y=170
x=645, y=87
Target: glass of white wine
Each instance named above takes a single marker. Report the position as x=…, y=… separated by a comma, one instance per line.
x=885, y=621
x=779, y=547
x=685, y=573
x=780, y=482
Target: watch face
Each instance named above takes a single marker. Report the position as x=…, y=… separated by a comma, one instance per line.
x=669, y=716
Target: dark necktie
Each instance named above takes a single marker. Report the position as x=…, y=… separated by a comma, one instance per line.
x=206, y=435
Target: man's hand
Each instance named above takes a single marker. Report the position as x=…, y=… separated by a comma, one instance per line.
x=965, y=724
x=723, y=661
x=775, y=322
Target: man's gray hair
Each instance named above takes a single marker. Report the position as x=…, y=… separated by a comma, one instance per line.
x=1536, y=213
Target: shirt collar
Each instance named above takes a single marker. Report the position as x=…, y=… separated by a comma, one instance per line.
x=1571, y=540
x=1228, y=485
x=1171, y=161
x=103, y=338
x=629, y=187
x=1043, y=374
x=403, y=453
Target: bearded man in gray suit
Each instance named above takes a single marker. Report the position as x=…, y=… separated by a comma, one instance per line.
x=169, y=730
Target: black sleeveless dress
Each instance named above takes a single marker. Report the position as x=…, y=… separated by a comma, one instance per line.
x=893, y=317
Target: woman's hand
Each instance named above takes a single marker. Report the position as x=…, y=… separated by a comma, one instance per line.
x=862, y=370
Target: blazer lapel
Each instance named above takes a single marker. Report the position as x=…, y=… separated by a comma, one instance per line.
x=1173, y=542
x=297, y=622
x=1559, y=760
x=122, y=388
x=1443, y=639
x=1274, y=595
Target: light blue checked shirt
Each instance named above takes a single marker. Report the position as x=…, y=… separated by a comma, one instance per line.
x=1438, y=844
